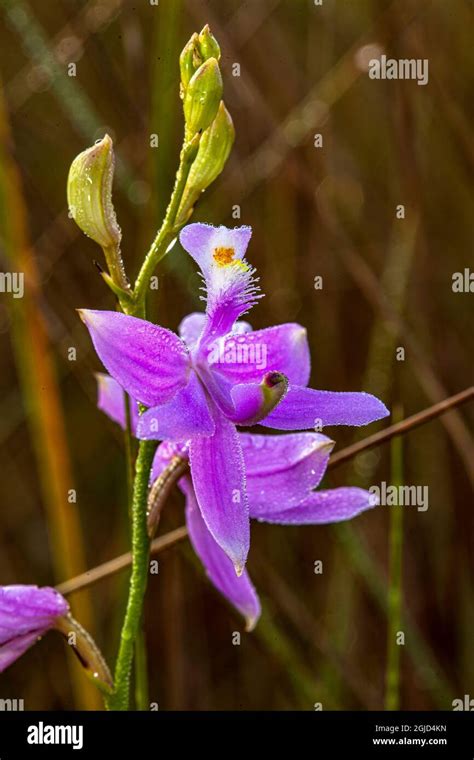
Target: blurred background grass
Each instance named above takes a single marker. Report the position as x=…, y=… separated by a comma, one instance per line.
x=328, y=212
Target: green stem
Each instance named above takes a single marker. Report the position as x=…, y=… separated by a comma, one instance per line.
x=128, y=453
x=170, y=227
x=392, y=679
x=119, y=700
x=115, y=266
x=142, y=700
x=140, y=662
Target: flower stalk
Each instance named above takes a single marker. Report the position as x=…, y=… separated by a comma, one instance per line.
x=119, y=699
x=168, y=230
x=142, y=699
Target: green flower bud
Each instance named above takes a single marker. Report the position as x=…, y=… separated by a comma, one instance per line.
x=208, y=45
x=89, y=193
x=189, y=60
x=202, y=97
x=214, y=148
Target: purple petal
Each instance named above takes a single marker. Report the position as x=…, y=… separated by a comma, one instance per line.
x=305, y=408
x=165, y=452
x=220, y=390
x=231, y=287
x=185, y=416
x=26, y=612
x=282, y=470
x=12, y=650
x=26, y=608
x=150, y=363
x=217, y=469
x=191, y=327
x=322, y=507
x=246, y=358
x=220, y=570
x=241, y=327
x=111, y=400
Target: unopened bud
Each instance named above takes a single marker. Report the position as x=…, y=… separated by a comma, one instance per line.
x=214, y=148
x=189, y=60
x=202, y=97
x=89, y=193
x=197, y=50
x=208, y=45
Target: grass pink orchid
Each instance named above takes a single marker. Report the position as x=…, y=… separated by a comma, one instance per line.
x=195, y=396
